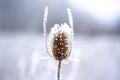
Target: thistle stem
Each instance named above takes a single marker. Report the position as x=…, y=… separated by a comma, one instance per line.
x=58, y=70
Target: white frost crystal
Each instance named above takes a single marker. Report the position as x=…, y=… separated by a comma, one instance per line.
x=58, y=29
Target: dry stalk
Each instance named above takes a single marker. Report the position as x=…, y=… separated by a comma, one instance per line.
x=59, y=69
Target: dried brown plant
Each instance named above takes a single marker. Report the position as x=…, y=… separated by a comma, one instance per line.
x=60, y=49
x=60, y=40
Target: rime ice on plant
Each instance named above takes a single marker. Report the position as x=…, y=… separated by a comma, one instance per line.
x=60, y=39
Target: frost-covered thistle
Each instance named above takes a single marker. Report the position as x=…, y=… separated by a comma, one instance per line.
x=60, y=39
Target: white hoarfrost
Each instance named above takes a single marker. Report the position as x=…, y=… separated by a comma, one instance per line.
x=58, y=29
x=70, y=18
x=45, y=20
x=44, y=26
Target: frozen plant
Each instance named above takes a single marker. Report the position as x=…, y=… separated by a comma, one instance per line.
x=60, y=40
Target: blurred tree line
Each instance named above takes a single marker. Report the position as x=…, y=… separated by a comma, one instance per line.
x=27, y=15
x=118, y=25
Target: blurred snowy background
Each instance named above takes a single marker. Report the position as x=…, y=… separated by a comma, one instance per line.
x=96, y=46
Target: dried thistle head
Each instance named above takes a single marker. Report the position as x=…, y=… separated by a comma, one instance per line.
x=60, y=41
x=60, y=47
x=60, y=38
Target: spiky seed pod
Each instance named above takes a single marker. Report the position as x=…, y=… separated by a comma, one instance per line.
x=60, y=41
x=60, y=46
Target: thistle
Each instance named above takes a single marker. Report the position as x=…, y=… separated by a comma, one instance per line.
x=60, y=40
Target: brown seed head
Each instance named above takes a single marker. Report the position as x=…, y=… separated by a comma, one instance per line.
x=60, y=46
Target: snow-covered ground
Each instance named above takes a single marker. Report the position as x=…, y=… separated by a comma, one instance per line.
x=23, y=57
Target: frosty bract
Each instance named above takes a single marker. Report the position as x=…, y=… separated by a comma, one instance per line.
x=60, y=38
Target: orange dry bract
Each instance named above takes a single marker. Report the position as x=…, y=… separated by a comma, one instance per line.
x=60, y=46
